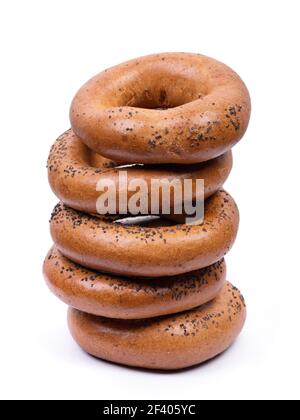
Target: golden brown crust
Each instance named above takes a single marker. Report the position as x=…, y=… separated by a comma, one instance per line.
x=166, y=303
x=205, y=110
x=169, y=342
x=142, y=251
x=117, y=297
x=74, y=170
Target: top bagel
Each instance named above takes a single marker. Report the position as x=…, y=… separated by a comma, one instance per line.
x=163, y=108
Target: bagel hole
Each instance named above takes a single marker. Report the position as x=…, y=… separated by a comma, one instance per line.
x=163, y=99
x=144, y=221
x=165, y=92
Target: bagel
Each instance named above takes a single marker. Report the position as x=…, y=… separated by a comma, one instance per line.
x=146, y=252
x=169, y=342
x=74, y=170
x=163, y=108
x=116, y=297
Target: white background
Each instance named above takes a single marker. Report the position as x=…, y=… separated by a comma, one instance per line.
x=48, y=49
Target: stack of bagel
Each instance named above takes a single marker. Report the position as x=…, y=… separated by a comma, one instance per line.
x=149, y=293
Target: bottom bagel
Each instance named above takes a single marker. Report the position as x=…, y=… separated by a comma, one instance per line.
x=168, y=342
